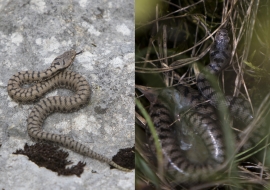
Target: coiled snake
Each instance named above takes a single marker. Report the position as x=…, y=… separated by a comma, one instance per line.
x=199, y=117
x=56, y=76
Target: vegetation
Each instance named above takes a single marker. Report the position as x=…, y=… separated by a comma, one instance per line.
x=173, y=39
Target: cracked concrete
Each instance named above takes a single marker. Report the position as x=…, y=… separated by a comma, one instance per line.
x=32, y=34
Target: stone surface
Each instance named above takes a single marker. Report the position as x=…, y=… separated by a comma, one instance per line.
x=32, y=34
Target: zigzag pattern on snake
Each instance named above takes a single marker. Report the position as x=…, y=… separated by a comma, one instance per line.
x=199, y=117
x=56, y=76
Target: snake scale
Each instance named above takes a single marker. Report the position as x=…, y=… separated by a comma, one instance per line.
x=200, y=117
x=56, y=76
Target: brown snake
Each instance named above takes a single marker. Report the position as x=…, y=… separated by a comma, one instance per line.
x=56, y=76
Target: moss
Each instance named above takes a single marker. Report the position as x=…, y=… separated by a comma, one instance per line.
x=51, y=157
x=125, y=158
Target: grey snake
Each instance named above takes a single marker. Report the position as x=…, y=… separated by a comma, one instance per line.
x=199, y=116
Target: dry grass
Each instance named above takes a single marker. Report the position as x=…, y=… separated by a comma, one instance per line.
x=172, y=41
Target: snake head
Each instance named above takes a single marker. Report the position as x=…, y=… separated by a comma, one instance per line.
x=64, y=61
x=222, y=40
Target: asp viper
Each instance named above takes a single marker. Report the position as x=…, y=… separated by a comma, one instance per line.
x=56, y=76
x=199, y=116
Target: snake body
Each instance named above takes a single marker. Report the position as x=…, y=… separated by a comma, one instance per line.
x=220, y=55
x=203, y=121
x=199, y=117
x=56, y=76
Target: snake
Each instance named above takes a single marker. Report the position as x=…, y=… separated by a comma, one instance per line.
x=56, y=76
x=199, y=108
